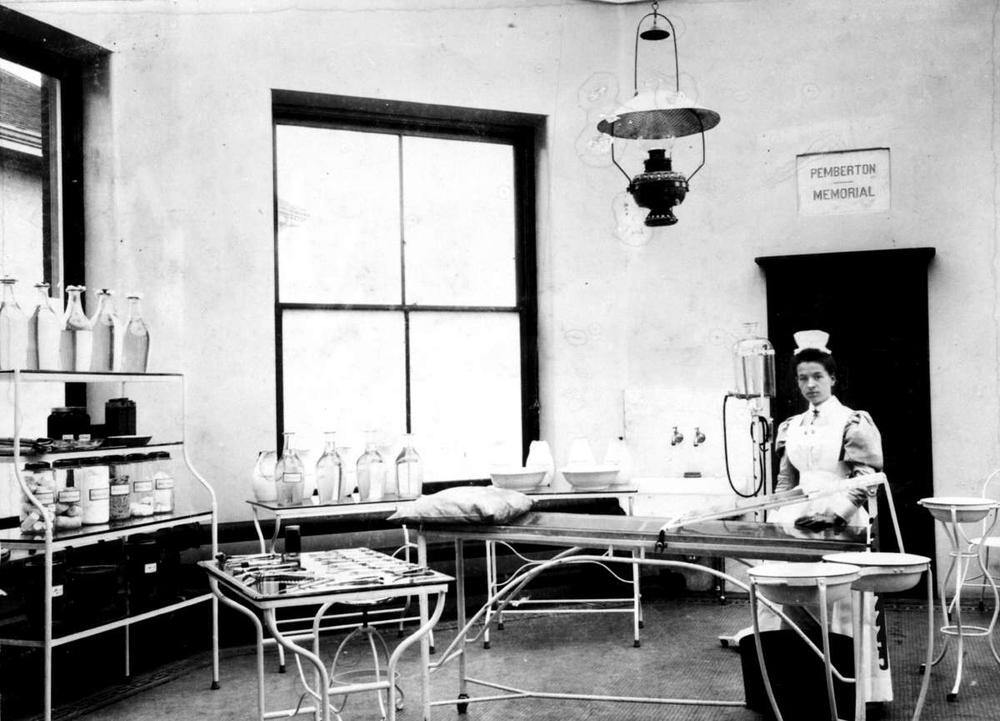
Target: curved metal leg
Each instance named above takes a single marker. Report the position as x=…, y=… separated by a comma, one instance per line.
x=419, y=635
x=996, y=602
x=259, y=637
x=324, y=689
x=930, y=648
x=827, y=660
x=760, y=653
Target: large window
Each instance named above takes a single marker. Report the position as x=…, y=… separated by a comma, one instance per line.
x=42, y=74
x=405, y=279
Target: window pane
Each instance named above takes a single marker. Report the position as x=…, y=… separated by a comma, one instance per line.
x=338, y=216
x=344, y=372
x=466, y=392
x=24, y=176
x=458, y=200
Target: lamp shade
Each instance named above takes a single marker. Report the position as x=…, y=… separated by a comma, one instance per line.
x=656, y=114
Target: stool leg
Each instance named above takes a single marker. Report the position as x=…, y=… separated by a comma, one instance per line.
x=996, y=602
x=930, y=648
x=827, y=661
x=754, y=610
x=859, y=629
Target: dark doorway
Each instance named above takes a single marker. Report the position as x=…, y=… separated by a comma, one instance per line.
x=874, y=305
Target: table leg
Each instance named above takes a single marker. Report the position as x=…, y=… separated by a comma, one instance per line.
x=636, y=604
x=491, y=586
x=421, y=635
x=259, y=637
x=463, y=685
x=324, y=689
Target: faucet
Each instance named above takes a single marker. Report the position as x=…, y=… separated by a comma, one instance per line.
x=699, y=437
x=677, y=437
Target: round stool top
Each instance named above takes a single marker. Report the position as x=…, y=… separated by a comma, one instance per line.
x=877, y=560
x=967, y=509
x=884, y=572
x=803, y=574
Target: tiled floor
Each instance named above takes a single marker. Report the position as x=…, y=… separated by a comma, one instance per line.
x=593, y=654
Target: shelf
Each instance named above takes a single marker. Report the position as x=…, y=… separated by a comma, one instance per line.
x=109, y=626
x=13, y=538
x=108, y=451
x=72, y=377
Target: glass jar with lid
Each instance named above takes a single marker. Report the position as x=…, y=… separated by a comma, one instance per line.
x=142, y=484
x=753, y=360
x=94, y=491
x=41, y=482
x=69, y=501
x=68, y=422
x=120, y=488
x=163, y=482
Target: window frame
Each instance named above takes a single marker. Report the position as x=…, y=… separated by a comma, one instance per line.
x=522, y=131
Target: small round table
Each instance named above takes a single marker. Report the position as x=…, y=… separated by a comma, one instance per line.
x=801, y=584
x=884, y=573
x=953, y=512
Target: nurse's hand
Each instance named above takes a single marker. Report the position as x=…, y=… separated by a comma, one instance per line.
x=819, y=521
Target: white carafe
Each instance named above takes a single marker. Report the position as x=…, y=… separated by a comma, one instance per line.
x=13, y=329
x=107, y=331
x=76, y=342
x=44, y=329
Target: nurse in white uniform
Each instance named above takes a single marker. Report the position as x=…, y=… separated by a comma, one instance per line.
x=826, y=444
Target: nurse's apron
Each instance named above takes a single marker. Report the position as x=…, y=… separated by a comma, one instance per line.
x=814, y=449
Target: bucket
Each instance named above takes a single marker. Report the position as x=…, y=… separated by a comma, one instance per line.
x=94, y=593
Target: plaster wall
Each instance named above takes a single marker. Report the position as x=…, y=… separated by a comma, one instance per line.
x=180, y=188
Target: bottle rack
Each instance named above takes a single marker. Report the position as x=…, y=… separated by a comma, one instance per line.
x=52, y=540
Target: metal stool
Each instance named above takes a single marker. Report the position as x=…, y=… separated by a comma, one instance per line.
x=952, y=512
x=376, y=672
x=884, y=573
x=802, y=584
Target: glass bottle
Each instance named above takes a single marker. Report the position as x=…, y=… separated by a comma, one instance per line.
x=135, y=350
x=106, y=355
x=163, y=483
x=289, y=475
x=264, y=488
x=13, y=329
x=76, y=343
x=409, y=470
x=329, y=471
x=44, y=328
x=371, y=471
x=540, y=456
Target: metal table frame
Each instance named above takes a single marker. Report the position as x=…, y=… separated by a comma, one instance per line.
x=247, y=602
x=625, y=495
x=635, y=535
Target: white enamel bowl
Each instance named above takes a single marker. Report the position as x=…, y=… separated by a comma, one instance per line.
x=883, y=572
x=518, y=479
x=590, y=478
x=968, y=509
x=796, y=583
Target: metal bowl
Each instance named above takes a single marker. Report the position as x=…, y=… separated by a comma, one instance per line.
x=798, y=583
x=968, y=509
x=883, y=572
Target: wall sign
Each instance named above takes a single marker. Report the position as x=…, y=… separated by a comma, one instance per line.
x=850, y=181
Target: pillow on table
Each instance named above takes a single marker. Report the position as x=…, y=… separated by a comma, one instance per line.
x=465, y=504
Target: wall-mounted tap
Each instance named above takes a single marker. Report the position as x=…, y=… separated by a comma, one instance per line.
x=699, y=437
x=677, y=437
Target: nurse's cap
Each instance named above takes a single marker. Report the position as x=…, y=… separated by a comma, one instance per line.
x=815, y=339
